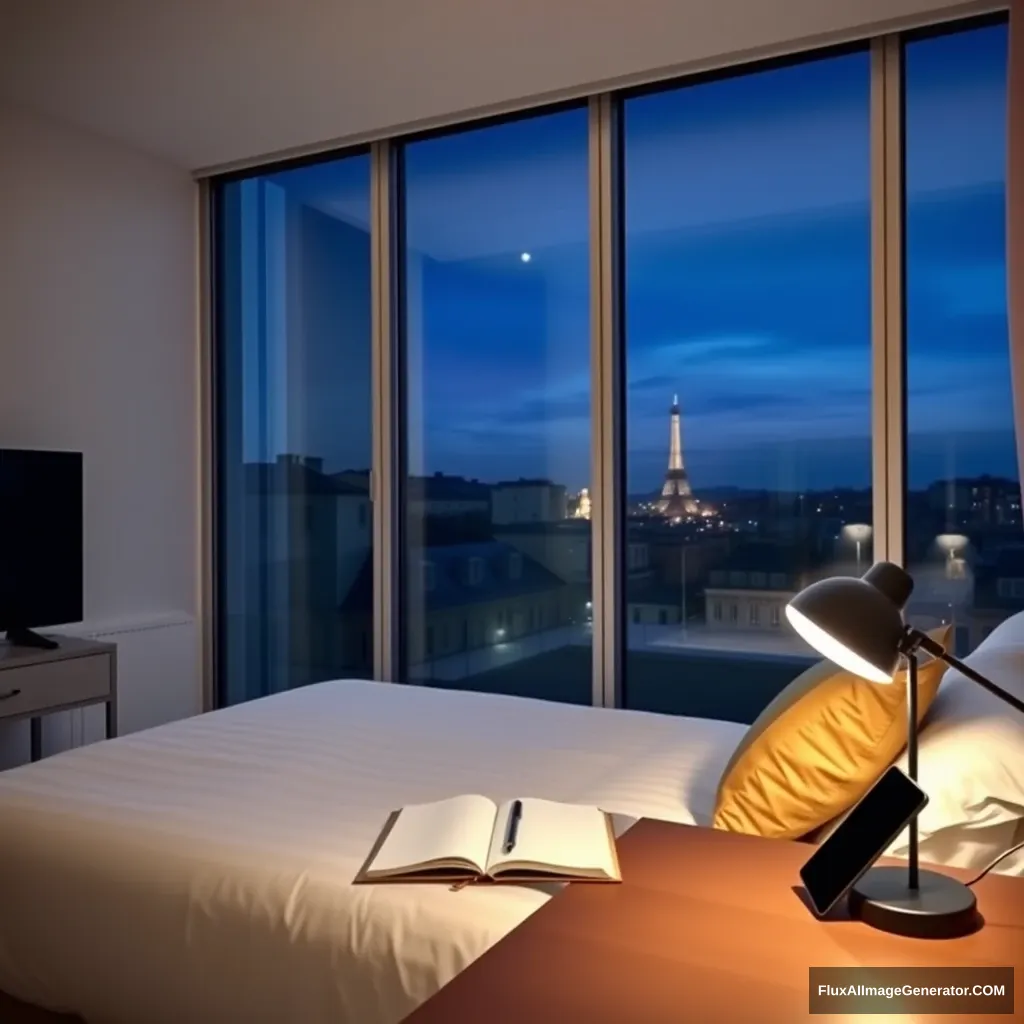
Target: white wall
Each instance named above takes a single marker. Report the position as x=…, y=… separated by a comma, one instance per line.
x=207, y=82
x=98, y=352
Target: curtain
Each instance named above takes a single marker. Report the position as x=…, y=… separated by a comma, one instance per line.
x=1015, y=220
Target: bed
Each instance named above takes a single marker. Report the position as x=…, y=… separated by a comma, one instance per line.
x=201, y=871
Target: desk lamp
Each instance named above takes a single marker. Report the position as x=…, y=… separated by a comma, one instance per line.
x=857, y=623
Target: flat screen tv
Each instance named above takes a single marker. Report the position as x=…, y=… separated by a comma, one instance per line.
x=40, y=543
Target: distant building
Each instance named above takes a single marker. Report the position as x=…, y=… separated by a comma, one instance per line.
x=985, y=501
x=997, y=592
x=464, y=597
x=528, y=501
x=437, y=495
x=750, y=589
x=299, y=516
x=562, y=548
x=651, y=602
x=441, y=495
x=300, y=540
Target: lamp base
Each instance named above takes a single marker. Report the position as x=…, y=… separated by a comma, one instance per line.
x=940, y=908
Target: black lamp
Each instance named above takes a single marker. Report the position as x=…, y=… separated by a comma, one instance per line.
x=858, y=624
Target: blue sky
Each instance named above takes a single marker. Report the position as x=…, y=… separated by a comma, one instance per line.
x=747, y=284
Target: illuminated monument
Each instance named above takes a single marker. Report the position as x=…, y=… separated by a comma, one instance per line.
x=677, y=500
x=582, y=507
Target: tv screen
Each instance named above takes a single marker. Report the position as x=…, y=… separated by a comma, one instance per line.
x=40, y=540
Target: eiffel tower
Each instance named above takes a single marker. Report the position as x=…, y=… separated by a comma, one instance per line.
x=677, y=498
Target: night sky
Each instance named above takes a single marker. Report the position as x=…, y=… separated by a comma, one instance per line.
x=747, y=225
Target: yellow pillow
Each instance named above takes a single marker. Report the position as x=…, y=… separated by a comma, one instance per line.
x=818, y=748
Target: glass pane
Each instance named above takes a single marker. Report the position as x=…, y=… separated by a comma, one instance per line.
x=295, y=598
x=748, y=350
x=964, y=543
x=496, y=541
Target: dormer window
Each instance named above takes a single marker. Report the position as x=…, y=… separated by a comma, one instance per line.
x=515, y=566
x=476, y=571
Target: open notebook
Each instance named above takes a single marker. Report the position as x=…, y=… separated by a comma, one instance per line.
x=465, y=838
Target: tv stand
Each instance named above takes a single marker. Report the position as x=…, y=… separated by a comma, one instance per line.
x=26, y=638
x=72, y=674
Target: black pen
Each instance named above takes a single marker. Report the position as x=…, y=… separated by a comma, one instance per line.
x=514, y=818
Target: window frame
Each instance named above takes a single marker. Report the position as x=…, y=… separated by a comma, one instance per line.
x=609, y=554
x=214, y=426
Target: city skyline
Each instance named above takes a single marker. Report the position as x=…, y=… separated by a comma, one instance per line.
x=319, y=464
x=747, y=286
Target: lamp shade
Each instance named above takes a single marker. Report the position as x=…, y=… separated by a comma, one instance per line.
x=856, y=622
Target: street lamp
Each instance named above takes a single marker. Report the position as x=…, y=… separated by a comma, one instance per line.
x=859, y=533
x=951, y=543
x=682, y=574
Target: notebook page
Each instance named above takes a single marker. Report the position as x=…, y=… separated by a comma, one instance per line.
x=458, y=827
x=562, y=836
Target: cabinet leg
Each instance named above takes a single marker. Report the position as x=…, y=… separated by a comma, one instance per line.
x=35, y=739
x=111, y=720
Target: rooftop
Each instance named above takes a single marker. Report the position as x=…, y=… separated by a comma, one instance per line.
x=451, y=586
x=295, y=475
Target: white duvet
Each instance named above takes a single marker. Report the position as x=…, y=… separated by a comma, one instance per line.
x=200, y=872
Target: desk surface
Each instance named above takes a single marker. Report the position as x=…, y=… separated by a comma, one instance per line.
x=706, y=925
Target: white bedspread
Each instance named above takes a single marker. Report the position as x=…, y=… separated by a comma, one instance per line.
x=201, y=871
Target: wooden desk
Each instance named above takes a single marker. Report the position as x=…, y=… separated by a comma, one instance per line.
x=706, y=926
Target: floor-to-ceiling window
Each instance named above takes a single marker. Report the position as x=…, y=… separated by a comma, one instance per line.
x=496, y=423
x=748, y=373
x=293, y=303
x=746, y=207
x=964, y=545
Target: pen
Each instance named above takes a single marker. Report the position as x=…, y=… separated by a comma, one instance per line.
x=513, y=826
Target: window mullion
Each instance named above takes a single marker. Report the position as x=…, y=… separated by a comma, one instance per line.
x=888, y=417
x=607, y=404
x=386, y=407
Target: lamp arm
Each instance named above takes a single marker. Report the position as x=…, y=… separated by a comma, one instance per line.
x=916, y=638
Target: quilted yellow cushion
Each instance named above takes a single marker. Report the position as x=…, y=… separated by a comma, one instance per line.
x=818, y=748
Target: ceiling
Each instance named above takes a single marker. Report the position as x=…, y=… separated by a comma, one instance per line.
x=207, y=83
x=523, y=186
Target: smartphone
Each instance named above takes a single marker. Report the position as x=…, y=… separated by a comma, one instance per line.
x=864, y=835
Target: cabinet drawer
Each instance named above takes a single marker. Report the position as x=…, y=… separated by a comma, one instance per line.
x=34, y=689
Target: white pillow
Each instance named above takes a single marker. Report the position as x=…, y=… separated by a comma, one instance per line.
x=971, y=762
